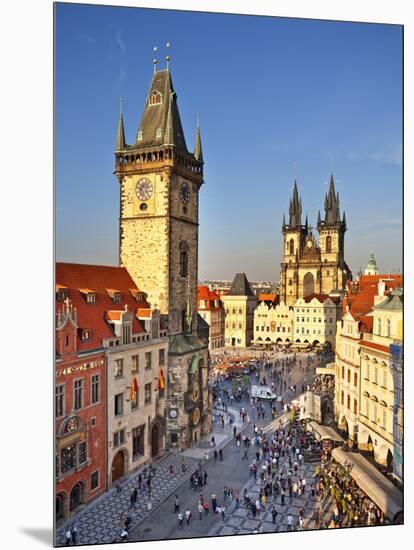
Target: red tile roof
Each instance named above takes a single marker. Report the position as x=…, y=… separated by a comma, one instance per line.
x=267, y=297
x=373, y=345
x=208, y=296
x=94, y=316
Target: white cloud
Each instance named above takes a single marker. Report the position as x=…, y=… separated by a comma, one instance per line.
x=385, y=156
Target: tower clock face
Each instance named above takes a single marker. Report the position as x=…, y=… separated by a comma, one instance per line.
x=195, y=394
x=185, y=193
x=143, y=189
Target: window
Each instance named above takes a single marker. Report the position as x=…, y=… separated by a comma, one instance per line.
x=348, y=401
x=95, y=388
x=94, y=480
x=158, y=133
x=384, y=418
x=384, y=377
x=240, y=311
x=147, y=388
x=355, y=379
x=183, y=259
x=290, y=282
x=86, y=334
x=68, y=458
x=83, y=455
x=349, y=376
x=140, y=135
x=119, y=404
x=135, y=401
x=78, y=394
x=328, y=244
x=367, y=408
x=388, y=329
x=161, y=357
x=240, y=325
x=155, y=98
x=375, y=375
x=119, y=368
x=355, y=406
x=137, y=442
x=91, y=298
x=291, y=246
x=328, y=273
x=134, y=364
x=375, y=413
x=117, y=298
x=126, y=334
x=342, y=397
x=379, y=327
x=119, y=438
x=60, y=400
x=148, y=360
x=367, y=371
x=343, y=373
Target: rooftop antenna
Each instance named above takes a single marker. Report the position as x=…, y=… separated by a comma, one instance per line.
x=155, y=59
x=168, y=58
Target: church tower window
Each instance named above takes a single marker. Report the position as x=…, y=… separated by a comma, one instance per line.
x=155, y=98
x=291, y=246
x=328, y=243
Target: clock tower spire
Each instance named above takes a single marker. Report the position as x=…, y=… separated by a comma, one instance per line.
x=160, y=182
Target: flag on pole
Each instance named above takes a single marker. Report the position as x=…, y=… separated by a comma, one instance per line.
x=134, y=389
x=161, y=381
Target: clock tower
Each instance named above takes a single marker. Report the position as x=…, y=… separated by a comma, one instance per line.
x=160, y=182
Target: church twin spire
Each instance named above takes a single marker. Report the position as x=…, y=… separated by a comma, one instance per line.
x=331, y=207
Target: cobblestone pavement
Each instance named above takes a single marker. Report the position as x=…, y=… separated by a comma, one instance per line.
x=240, y=520
x=99, y=522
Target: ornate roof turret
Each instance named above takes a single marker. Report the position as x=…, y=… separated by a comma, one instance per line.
x=371, y=268
x=161, y=119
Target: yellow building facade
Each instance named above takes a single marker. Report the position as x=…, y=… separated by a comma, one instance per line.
x=273, y=324
x=239, y=305
x=377, y=387
x=314, y=320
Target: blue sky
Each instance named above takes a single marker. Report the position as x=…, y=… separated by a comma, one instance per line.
x=278, y=99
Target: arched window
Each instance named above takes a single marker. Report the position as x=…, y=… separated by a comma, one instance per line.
x=183, y=259
x=158, y=133
x=290, y=282
x=155, y=98
x=328, y=243
x=388, y=328
x=291, y=246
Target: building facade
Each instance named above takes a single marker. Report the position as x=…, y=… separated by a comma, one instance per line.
x=239, y=305
x=314, y=320
x=376, y=429
x=160, y=181
x=397, y=362
x=273, y=323
x=309, y=266
x=210, y=308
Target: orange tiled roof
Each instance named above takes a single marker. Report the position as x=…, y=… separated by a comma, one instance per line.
x=373, y=345
x=267, y=297
x=99, y=277
x=144, y=312
x=208, y=296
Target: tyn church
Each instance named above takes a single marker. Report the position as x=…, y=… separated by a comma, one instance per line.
x=309, y=266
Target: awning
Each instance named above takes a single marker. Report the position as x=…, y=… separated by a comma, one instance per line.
x=376, y=486
x=325, y=432
x=310, y=406
x=329, y=369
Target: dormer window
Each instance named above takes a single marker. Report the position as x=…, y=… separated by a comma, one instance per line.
x=86, y=334
x=155, y=98
x=61, y=293
x=91, y=298
x=117, y=298
x=158, y=133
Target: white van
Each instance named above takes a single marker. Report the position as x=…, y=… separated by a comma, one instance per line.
x=263, y=392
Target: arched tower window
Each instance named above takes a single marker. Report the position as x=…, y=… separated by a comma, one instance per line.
x=155, y=98
x=183, y=259
x=291, y=246
x=328, y=243
x=388, y=328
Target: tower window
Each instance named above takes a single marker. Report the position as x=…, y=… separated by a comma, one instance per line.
x=183, y=259
x=291, y=246
x=158, y=133
x=140, y=135
x=155, y=98
x=328, y=244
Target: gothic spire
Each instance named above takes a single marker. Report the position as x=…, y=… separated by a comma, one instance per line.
x=344, y=221
x=284, y=221
x=198, y=151
x=332, y=204
x=319, y=218
x=120, y=141
x=295, y=208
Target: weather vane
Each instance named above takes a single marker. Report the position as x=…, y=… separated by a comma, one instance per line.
x=155, y=59
x=168, y=58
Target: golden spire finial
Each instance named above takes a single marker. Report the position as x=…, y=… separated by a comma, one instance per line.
x=155, y=59
x=168, y=58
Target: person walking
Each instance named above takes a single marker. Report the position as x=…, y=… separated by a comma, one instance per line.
x=205, y=477
x=206, y=508
x=290, y=522
x=74, y=532
x=176, y=505
x=215, y=455
x=188, y=515
x=245, y=452
x=274, y=513
x=68, y=536
x=200, y=511
x=221, y=455
x=237, y=498
x=213, y=502
x=180, y=520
